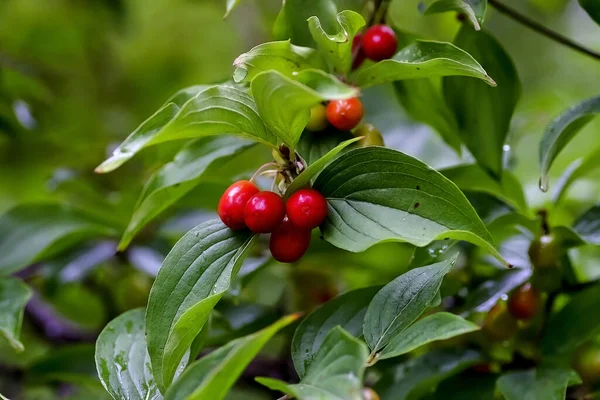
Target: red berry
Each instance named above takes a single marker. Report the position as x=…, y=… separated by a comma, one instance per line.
x=345, y=114
x=232, y=203
x=306, y=208
x=264, y=212
x=379, y=42
x=358, y=53
x=289, y=242
x=524, y=302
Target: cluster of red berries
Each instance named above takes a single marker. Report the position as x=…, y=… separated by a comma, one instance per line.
x=377, y=43
x=244, y=205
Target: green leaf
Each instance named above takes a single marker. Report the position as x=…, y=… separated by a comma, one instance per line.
x=282, y=57
x=212, y=376
x=483, y=298
x=122, y=359
x=291, y=21
x=337, y=48
x=474, y=179
x=347, y=311
x=560, y=132
x=377, y=194
x=316, y=167
x=592, y=7
x=416, y=377
x=335, y=373
x=14, y=295
x=484, y=113
x=34, y=232
x=222, y=109
x=422, y=59
x=474, y=10
x=314, y=145
x=567, y=329
x=192, y=279
x=548, y=383
x=577, y=169
x=196, y=161
x=423, y=102
x=231, y=4
x=395, y=307
x=272, y=90
x=438, y=326
x=587, y=225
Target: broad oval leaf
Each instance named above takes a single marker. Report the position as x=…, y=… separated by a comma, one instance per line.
x=291, y=21
x=192, y=279
x=395, y=307
x=212, y=376
x=33, y=232
x=314, y=145
x=592, y=7
x=283, y=57
x=222, y=109
x=474, y=10
x=284, y=103
x=337, y=48
x=422, y=59
x=347, y=310
x=14, y=295
x=177, y=178
x=377, y=194
x=484, y=113
x=122, y=359
x=548, y=383
x=560, y=132
x=438, y=326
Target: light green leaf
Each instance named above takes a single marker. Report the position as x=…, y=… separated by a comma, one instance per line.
x=377, y=194
x=14, y=295
x=316, y=167
x=284, y=103
x=484, y=113
x=474, y=179
x=395, y=307
x=291, y=21
x=222, y=109
x=560, y=132
x=314, y=145
x=191, y=165
x=438, y=326
x=337, y=48
x=34, y=232
x=347, y=310
x=212, y=376
x=577, y=169
x=592, y=7
x=192, y=279
x=548, y=383
x=122, y=359
x=422, y=59
x=283, y=57
x=473, y=9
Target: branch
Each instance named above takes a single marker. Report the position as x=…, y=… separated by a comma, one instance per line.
x=542, y=30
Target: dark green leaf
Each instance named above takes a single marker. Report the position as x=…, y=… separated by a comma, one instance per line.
x=34, y=232
x=484, y=113
x=484, y=297
x=177, y=178
x=588, y=225
x=314, y=145
x=122, y=359
x=377, y=194
x=560, y=132
x=546, y=383
x=347, y=311
x=192, y=279
x=593, y=9
x=213, y=375
x=577, y=169
x=14, y=294
x=466, y=386
x=291, y=21
x=395, y=307
x=422, y=59
x=438, y=326
x=474, y=10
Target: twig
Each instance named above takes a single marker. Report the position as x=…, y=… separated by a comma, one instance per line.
x=542, y=30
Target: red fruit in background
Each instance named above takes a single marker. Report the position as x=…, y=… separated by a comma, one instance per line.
x=289, y=242
x=306, y=208
x=264, y=212
x=345, y=114
x=524, y=303
x=379, y=42
x=232, y=203
x=358, y=54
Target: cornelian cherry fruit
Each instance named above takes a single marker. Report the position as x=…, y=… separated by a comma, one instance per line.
x=289, y=242
x=524, y=303
x=264, y=212
x=345, y=114
x=358, y=53
x=306, y=208
x=232, y=203
x=379, y=42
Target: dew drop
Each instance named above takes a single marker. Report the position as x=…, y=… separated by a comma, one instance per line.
x=543, y=184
